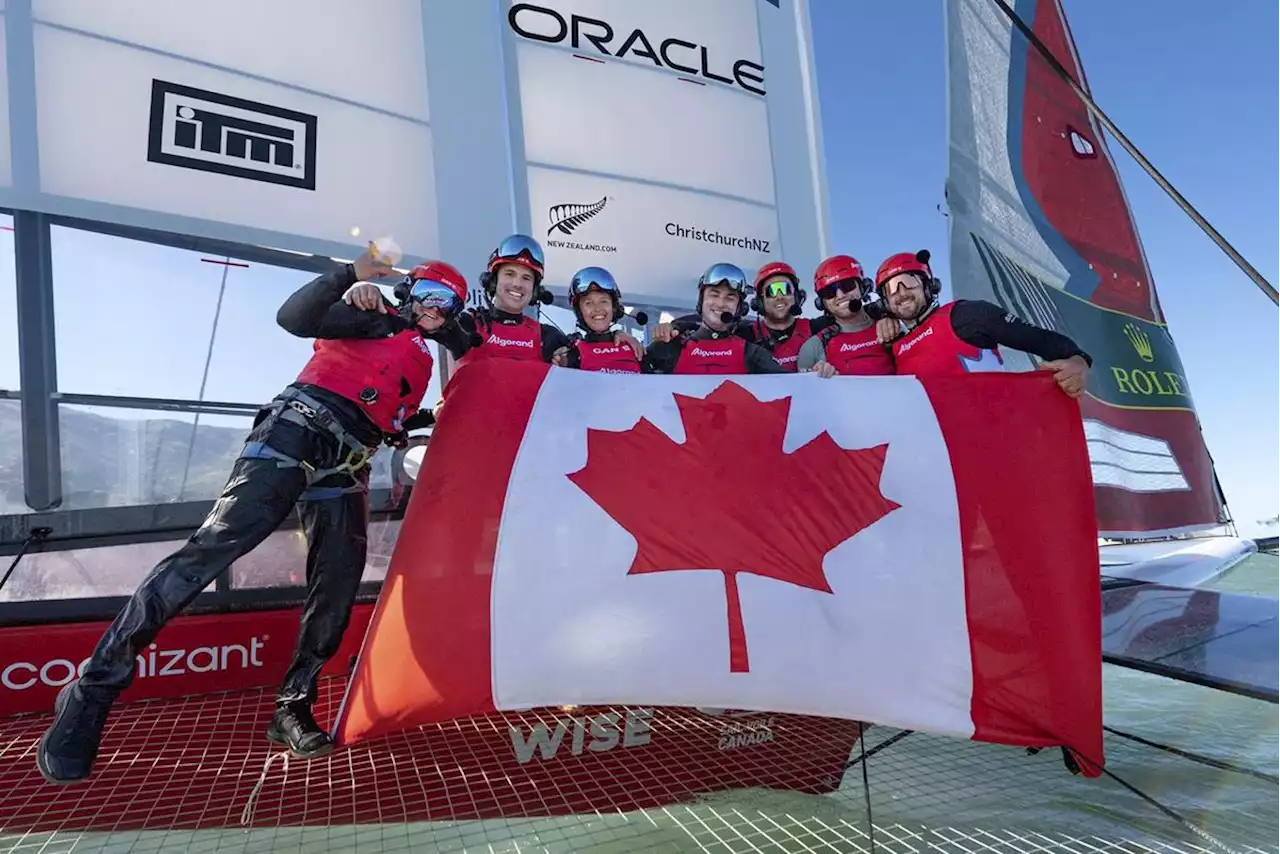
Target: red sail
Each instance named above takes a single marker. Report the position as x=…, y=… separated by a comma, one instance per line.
x=1040, y=224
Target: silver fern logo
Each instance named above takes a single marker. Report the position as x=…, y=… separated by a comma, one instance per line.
x=565, y=218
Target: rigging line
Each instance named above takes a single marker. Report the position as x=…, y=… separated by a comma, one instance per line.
x=879, y=747
x=204, y=379
x=1196, y=757
x=866, y=784
x=35, y=537
x=1203, y=834
x=1265, y=286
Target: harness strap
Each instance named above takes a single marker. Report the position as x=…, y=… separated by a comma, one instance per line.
x=324, y=493
x=300, y=408
x=263, y=451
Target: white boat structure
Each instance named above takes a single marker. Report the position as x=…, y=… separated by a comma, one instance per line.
x=227, y=133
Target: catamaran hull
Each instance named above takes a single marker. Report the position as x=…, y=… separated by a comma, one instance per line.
x=1177, y=563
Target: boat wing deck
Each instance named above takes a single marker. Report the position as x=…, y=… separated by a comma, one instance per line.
x=204, y=763
x=1226, y=641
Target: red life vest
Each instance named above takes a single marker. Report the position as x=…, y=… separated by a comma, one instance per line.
x=933, y=348
x=606, y=357
x=787, y=351
x=522, y=341
x=393, y=371
x=856, y=353
x=713, y=356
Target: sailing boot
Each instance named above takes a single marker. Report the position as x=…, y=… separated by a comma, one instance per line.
x=69, y=747
x=294, y=727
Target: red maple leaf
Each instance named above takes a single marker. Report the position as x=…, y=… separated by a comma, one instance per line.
x=729, y=499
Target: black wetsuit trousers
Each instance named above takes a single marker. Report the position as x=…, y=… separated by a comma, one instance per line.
x=259, y=495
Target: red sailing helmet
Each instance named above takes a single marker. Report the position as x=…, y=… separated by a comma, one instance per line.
x=775, y=268
x=771, y=271
x=519, y=249
x=437, y=285
x=837, y=268
x=905, y=262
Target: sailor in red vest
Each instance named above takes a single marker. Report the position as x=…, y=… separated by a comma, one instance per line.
x=966, y=335
x=714, y=347
x=778, y=326
x=596, y=301
x=310, y=446
x=852, y=344
x=512, y=281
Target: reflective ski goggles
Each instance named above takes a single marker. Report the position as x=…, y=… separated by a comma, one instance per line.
x=725, y=274
x=779, y=288
x=593, y=277
x=516, y=247
x=429, y=293
x=844, y=286
x=903, y=281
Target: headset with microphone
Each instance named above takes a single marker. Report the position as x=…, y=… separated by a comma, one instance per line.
x=772, y=270
x=909, y=262
x=522, y=250
x=600, y=279
x=728, y=275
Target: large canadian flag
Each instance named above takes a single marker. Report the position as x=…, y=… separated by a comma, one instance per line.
x=864, y=548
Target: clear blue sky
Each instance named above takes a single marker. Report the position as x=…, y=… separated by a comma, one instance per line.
x=1193, y=84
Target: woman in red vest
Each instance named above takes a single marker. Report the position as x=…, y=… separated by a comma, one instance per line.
x=312, y=444
x=596, y=301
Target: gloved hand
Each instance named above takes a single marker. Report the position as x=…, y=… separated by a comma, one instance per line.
x=467, y=324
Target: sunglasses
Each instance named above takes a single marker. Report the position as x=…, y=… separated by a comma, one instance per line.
x=779, y=289
x=843, y=286
x=909, y=283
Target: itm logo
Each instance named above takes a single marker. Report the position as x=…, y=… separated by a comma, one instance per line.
x=565, y=218
x=1141, y=343
x=212, y=132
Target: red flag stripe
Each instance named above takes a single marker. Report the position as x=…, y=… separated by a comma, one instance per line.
x=446, y=667
x=1027, y=682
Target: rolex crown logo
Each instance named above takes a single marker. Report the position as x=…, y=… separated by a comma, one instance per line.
x=1141, y=343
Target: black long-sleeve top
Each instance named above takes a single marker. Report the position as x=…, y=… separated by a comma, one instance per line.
x=317, y=310
x=986, y=325
x=553, y=337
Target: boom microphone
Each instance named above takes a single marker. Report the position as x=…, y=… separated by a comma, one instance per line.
x=728, y=317
x=545, y=298
x=640, y=318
